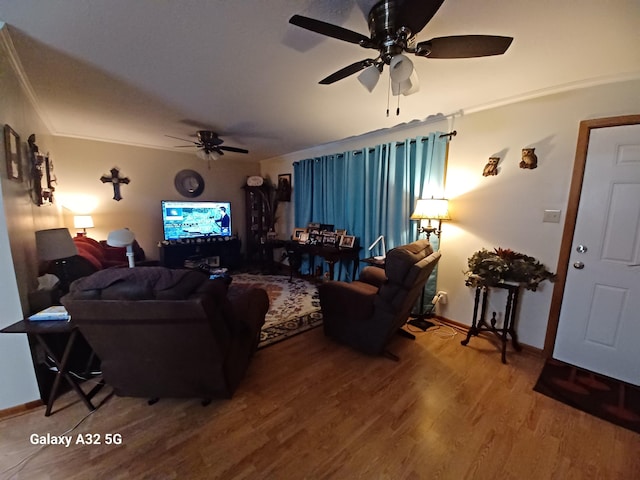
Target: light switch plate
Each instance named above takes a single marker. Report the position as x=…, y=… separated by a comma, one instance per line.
x=551, y=216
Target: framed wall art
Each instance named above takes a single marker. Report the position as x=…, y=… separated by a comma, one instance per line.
x=12, y=153
x=283, y=191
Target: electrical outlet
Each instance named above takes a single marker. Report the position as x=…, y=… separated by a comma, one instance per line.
x=444, y=298
x=551, y=216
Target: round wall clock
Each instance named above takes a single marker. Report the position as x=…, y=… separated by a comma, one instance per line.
x=189, y=183
x=255, y=181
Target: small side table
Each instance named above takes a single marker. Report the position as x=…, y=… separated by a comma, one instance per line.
x=40, y=330
x=508, y=328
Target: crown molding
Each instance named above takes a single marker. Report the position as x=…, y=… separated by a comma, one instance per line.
x=555, y=89
x=6, y=44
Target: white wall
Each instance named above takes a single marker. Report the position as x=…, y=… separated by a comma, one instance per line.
x=79, y=164
x=19, y=218
x=505, y=210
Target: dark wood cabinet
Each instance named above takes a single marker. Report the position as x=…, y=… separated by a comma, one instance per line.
x=259, y=205
x=228, y=249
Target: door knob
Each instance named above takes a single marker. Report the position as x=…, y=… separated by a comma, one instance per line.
x=578, y=265
x=581, y=249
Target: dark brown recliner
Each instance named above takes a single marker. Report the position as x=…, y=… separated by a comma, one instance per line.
x=167, y=333
x=366, y=313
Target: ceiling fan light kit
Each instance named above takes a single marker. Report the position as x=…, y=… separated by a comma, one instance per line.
x=407, y=87
x=205, y=154
x=369, y=77
x=400, y=68
x=393, y=26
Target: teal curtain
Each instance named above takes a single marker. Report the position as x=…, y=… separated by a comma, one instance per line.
x=371, y=192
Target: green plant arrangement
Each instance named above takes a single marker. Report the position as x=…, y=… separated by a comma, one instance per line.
x=504, y=265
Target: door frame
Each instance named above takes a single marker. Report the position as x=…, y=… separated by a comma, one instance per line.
x=575, y=192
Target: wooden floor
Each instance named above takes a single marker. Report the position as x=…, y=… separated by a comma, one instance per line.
x=310, y=408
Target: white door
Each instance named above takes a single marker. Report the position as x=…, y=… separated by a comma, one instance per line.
x=599, y=325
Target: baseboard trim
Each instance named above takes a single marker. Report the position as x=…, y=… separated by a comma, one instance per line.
x=528, y=349
x=20, y=409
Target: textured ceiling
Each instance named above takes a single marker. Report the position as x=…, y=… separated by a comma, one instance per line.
x=132, y=71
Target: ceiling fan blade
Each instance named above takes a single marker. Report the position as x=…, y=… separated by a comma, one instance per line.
x=330, y=30
x=415, y=14
x=233, y=149
x=183, y=139
x=346, y=71
x=463, y=46
x=184, y=146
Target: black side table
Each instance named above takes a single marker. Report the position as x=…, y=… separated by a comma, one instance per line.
x=508, y=328
x=40, y=330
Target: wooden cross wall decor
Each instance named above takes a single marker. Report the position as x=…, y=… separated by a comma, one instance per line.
x=115, y=180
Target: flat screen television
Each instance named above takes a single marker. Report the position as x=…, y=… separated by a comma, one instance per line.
x=194, y=219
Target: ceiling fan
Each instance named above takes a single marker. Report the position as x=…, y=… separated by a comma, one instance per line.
x=209, y=145
x=393, y=26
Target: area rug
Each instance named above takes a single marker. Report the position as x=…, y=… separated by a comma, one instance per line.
x=294, y=306
x=612, y=400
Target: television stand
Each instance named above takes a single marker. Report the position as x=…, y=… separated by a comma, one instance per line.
x=174, y=254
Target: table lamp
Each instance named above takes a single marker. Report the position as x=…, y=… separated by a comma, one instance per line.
x=82, y=222
x=431, y=209
x=56, y=244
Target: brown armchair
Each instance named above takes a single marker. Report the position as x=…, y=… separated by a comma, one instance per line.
x=366, y=313
x=167, y=333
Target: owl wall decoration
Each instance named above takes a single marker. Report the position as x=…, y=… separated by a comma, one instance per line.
x=529, y=159
x=491, y=168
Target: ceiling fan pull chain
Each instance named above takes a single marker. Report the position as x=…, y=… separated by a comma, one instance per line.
x=388, y=95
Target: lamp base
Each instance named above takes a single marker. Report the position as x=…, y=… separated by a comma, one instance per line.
x=421, y=323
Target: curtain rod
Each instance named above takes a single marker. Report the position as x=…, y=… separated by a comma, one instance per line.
x=451, y=134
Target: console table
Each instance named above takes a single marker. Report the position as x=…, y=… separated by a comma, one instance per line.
x=508, y=328
x=42, y=330
x=331, y=255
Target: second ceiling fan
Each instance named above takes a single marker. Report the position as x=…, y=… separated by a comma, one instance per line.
x=209, y=145
x=393, y=26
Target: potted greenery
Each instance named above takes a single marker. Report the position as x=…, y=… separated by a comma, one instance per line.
x=504, y=265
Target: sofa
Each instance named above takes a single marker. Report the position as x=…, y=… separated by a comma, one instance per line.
x=366, y=313
x=167, y=333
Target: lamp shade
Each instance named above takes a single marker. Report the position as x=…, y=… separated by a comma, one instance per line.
x=369, y=77
x=407, y=87
x=82, y=221
x=54, y=244
x=400, y=68
x=120, y=238
x=431, y=209
x=123, y=238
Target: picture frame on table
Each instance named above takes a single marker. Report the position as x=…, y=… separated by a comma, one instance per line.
x=303, y=237
x=347, y=241
x=296, y=233
x=330, y=239
x=315, y=239
x=13, y=154
x=313, y=228
x=341, y=232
